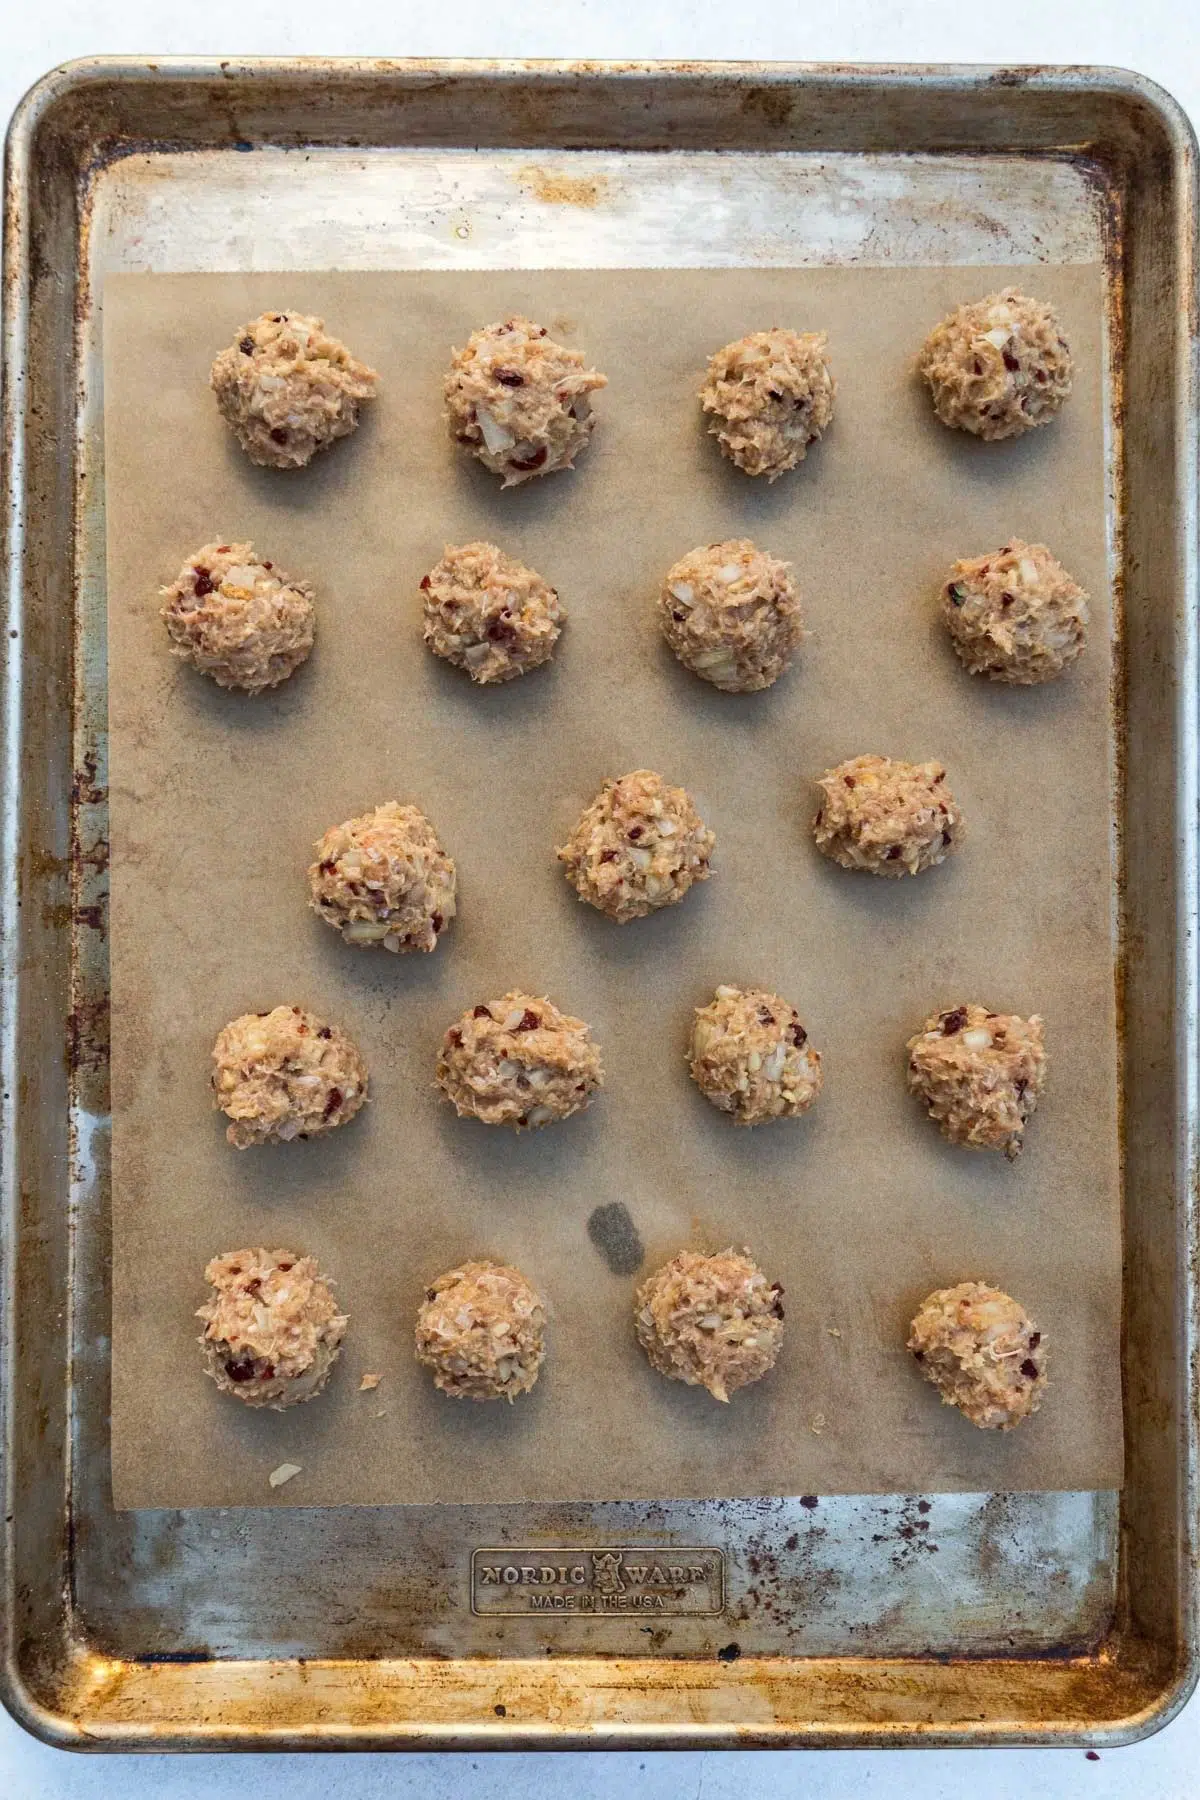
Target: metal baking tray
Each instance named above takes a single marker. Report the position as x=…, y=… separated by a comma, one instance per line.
x=1039, y=1618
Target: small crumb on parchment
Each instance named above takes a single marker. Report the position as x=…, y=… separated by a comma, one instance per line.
x=283, y=1473
x=368, y=1382
x=833, y=1331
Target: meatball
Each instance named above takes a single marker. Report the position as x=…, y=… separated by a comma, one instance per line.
x=731, y=614
x=519, y=1061
x=1015, y=615
x=519, y=401
x=998, y=367
x=638, y=846
x=272, y=1329
x=384, y=879
x=488, y=614
x=242, y=621
x=980, y=1075
x=769, y=396
x=710, y=1321
x=750, y=1056
x=887, y=817
x=288, y=389
x=285, y=1074
x=481, y=1329
x=982, y=1352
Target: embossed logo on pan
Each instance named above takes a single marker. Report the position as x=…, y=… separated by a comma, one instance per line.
x=606, y=1579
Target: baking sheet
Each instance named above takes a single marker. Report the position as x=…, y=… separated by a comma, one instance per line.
x=860, y=1208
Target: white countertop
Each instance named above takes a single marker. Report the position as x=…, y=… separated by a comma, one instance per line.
x=1159, y=38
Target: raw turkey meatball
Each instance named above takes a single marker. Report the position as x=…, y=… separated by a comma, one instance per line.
x=710, y=1321
x=481, y=1330
x=979, y=1074
x=285, y=1074
x=1015, y=615
x=982, y=1352
x=242, y=621
x=731, y=614
x=488, y=614
x=519, y=1061
x=519, y=401
x=998, y=367
x=769, y=396
x=288, y=389
x=886, y=817
x=384, y=879
x=272, y=1329
x=751, y=1057
x=638, y=846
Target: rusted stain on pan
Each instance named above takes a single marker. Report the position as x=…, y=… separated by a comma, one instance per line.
x=555, y=187
x=574, y=1703
x=353, y=1627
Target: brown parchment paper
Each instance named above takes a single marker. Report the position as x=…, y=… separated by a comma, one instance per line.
x=860, y=1208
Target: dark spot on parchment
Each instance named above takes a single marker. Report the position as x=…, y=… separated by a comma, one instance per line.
x=615, y=1236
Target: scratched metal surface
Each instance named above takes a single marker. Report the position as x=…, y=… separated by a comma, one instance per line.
x=849, y=1619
